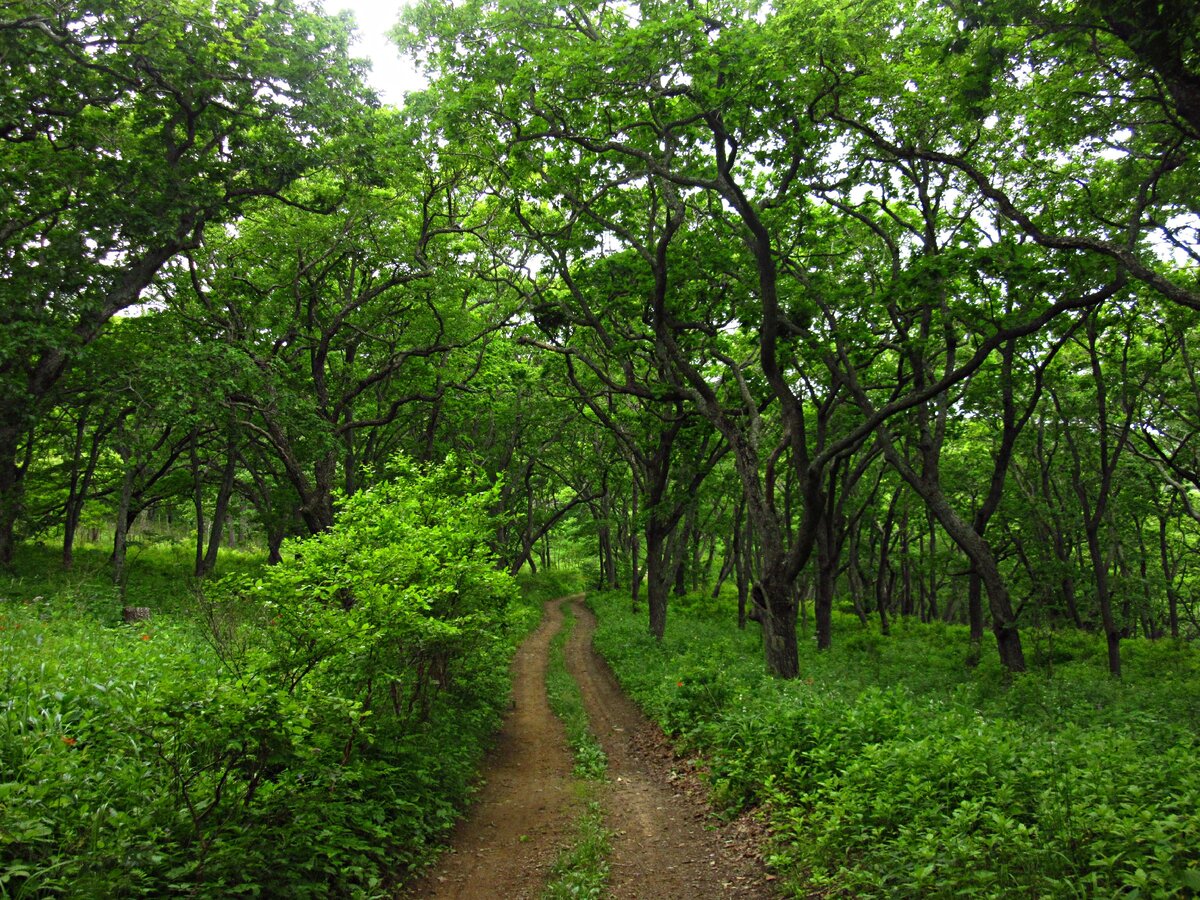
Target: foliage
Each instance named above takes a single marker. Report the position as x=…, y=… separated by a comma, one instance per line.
x=312, y=740
x=86, y=592
x=892, y=304
x=127, y=128
x=549, y=584
x=888, y=769
x=582, y=869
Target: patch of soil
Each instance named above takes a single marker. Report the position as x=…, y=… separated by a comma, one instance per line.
x=666, y=843
x=525, y=812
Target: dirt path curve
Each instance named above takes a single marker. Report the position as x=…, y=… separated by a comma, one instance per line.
x=525, y=812
x=665, y=846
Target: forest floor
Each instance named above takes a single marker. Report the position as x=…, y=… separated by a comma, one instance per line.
x=665, y=843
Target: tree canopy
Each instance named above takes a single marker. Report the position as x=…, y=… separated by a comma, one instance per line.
x=886, y=304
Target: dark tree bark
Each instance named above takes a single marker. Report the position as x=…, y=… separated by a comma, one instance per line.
x=121, y=530
x=731, y=541
x=1170, y=570
x=886, y=576
x=927, y=487
x=1158, y=34
x=1012, y=423
x=208, y=563
x=80, y=481
x=1094, y=490
x=743, y=550
x=635, y=579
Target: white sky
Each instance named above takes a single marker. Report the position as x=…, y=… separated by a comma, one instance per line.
x=391, y=75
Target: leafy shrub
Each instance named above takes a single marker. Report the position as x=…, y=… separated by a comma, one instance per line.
x=312, y=740
x=889, y=769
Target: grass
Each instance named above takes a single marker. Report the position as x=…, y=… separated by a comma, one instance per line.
x=582, y=869
x=889, y=769
x=567, y=703
x=157, y=576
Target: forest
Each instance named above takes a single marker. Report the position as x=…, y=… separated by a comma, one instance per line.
x=842, y=352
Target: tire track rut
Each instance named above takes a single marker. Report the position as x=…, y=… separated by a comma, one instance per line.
x=665, y=843
x=525, y=812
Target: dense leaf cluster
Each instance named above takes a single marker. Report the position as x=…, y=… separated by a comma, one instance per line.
x=311, y=740
x=883, y=778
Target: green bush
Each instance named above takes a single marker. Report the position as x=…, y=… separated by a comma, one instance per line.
x=312, y=739
x=889, y=769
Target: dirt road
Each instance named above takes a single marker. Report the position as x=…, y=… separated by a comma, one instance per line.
x=665, y=846
x=525, y=812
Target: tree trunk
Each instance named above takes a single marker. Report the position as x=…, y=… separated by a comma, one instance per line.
x=1004, y=626
x=727, y=565
x=854, y=577
x=774, y=598
x=604, y=555
x=906, y=586
x=121, y=530
x=933, y=570
x=220, y=513
x=884, y=577
x=321, y=502
x=1168, y=577
x=927, y=486
x=197, y=504
x=608, y=559
x=1067, y=581
x=975, y=618
x=70, y=528
x=274, y=543
x=682, y=540
x=1112, y=633
x=702, y=571
x=744, y=570
x=680, y=568
x=73, y=508
x=657, y=577
x=635, y=576
x=12, y=485
x=823, y=601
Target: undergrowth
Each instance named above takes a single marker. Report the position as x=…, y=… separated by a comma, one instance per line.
x=548, y=584
x=567, y=703
x=888, y=769
x=582, y=869
x=304, y=730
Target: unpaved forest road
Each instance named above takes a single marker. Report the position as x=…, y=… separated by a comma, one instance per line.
x=525, y=812
x=664, y=844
